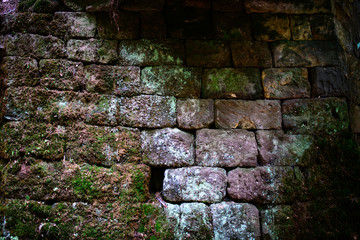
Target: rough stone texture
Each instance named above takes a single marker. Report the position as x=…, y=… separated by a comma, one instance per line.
x=121, y=81
x=235, y=221
x=226, y=148
x=354, y=118
x=61, y=74
x=171, y=81
x=322, y=26
x=314, y=115
x=241, y=83
x=282, y=83
x=270, y=27
x=329, y=82
x=279, y=149
x=195, y=113
x=207, y=53
x=73, y=25
x=232, y=26
x=149, y=52
x=168, y=147
x=300, y=27
x=202, y=184
x=259, y=114
x=251, y=54
x=305, y=53
x=147, y=111
x=19, y=71
x=152, y=25
x=92, y=50
x=228, y=5
x=25, y=22
x=90, y=5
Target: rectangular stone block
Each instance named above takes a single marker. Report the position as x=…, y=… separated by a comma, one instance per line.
x=305, y=53
x=283, y=83
x=232, y=26
x=241, y=83
x=26, y=22
x=194, y=113
x=150, y=52
x=323, y=27
x=271, y=27
x=300, y=27
x=168, y=147
x=329, y=82
x=115, y=80
x=226, y=148
x=171, y=81
x=328, y=115
x=19, y=71
x=251, y=54
x=74, y=25
x=259, y=114
x=197, y=184
x=207, y=53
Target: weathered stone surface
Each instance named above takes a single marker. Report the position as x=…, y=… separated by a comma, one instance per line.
x=283, y=83
x=300, y=27
x=126, y=26
x=259, y=114
x=92, y=50
x=279, y=149
x=270, y=27
x=117, y=80
x=92, y=5
x=202, y=184
x=228, y=5
x=322, y=26
x=31, y=45
x=153, y=25
x=232, y=26
x=288, y=6
x=251, y=54
x=207, y=53
x=354, y=118
x=103, y=146
x=195, y=113
x=38, y=6
x=149, y=52
x=329, y=82
x=26, y=22
x=61, y=74
x=147, y=111
x=171, y=81
x=313, y=115
x=168, y=147
x=226, y=148
x=19, y=71
x=74, y=24
x=305, y=53
x=235, y=221
x=142, y=5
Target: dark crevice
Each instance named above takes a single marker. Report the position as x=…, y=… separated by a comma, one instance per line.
x=156, y=180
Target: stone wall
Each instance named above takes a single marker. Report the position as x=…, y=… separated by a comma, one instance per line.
x=236, y=111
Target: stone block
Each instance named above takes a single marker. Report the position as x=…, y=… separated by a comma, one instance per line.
x=232, y=26
x=26, y=23
x=354, y=116
x=38, y=6
x=115, y=80
x=171, y=81
x=92, y=50
x=147, y=111
x=241, y=83
x=235, y=221
x=259, y=114
x=19, y=71
x=283, y=83
x=323, y=27
x=226, y=148
x=300, y=27
x=195, y=113
x=280, y=149
x=74, y=25
x=329, y=82
x=305, y=53
x=90, y=5
x=168, y=147
x=251, y=54
x=328, y=115
x=271, y=27
x=142, y=5
x=153, y=25
x=150, y=52
x=201, y=184
x=228, y=5
x=61, y=74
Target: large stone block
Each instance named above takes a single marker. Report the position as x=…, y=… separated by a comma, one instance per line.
x=259, y=114
x=305, y=53
x=241, y=83
x=354, y=115
x=323, y=27
x=280, y=149
x=201, y=184
x=314, y=115
x=329, y=82
x=195, y=113
x=171, y=81
x=283, y=83
x=168, y=147
x=251, y=54
x=300, y=27
x=26, y=23
x=74, y=25
x=150, y=52
x=232, y=26
x=226, y=148
x=270, y=27
x=19, y=71
x=235, y=221
x=116, y=80
x=207, y=53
